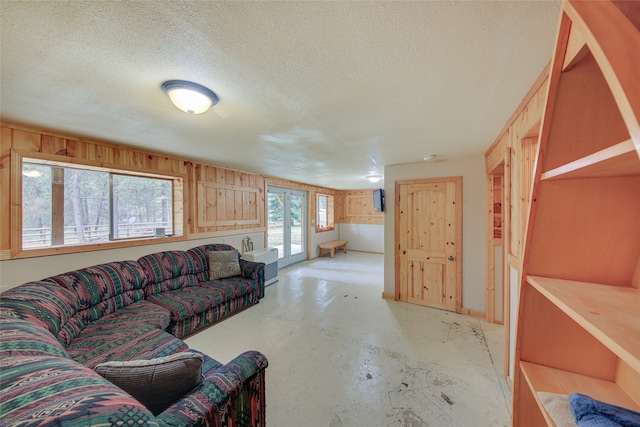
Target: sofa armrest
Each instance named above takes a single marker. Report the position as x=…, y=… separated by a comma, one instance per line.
x=253, y=270
x=213, y=402
x=231, y=377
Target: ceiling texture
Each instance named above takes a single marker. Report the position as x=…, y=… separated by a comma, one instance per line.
x=315, y=92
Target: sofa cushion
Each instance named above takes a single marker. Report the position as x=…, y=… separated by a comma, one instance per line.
x=223, y=264
x=100, y=290
x=108, y=343
x=48, y=391
x=200, y=258
x=98, y=283
x=187, y=302
x=27, y=338
x=156, y=383
x=232, y=287
x=141, y=313
x=181, y=328
x=46, y=303
x=168, y=270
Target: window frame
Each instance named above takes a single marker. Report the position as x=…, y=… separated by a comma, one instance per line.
x=330, y=213
x=19, y=157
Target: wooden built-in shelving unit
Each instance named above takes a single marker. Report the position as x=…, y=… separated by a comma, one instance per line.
x=579, y=307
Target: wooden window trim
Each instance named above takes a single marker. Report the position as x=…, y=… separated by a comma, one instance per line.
x=330, y=213
x=17, y=252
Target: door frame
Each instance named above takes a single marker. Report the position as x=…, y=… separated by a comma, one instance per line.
x=286, y=258
x=458, y=202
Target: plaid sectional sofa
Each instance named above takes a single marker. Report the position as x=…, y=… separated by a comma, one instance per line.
x=54, y=332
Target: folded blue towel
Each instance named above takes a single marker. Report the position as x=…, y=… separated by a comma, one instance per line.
x=589, y=412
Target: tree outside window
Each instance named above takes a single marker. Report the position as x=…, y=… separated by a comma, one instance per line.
x=64, y=205
x=324, y=212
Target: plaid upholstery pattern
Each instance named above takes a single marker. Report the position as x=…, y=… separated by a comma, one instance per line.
x=54, y=391
x=46, y=303
x=230, y=395
x=107, y=342
x=141, y=313
x=179, y=282
x=182, y=328
x=168, y=270
x=250, y=270
x=100, y=290
x=188, y=302
x=195, y=308
x=25, y=338
x=52, y=332
x=200, y=258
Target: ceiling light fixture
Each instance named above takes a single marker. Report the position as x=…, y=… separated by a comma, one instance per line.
x=190, y=97
x=374, y=178
x=429, y=157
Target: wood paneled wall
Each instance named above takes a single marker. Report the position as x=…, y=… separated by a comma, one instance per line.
x=225, y=199
x=213, y=201
x=235, y=205
x=512, y=155
x=356, y=207
x=511, y=158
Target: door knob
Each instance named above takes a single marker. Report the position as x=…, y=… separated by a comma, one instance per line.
x=450, y=258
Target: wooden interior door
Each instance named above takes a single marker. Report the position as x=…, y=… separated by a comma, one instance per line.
x=429, y=239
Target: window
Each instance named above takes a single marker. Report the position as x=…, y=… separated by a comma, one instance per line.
x=324, y=213
x=65, y=204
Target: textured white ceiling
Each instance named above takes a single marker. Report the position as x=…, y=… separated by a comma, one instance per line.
x=319, y=92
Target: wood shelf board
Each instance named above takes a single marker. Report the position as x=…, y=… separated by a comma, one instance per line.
x=609, y=313
x=583, y=121
x=618, y=160
x=617, y=52
x=544, y=378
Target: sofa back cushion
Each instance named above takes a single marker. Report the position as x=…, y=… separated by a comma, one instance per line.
x=200, y=258
x=100, y=290
x=40, y=302
x=25, y=338
x=168, y=270
x=156, y=383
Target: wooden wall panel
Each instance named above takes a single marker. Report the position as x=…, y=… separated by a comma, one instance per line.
x=241, y=209
x=235, y=202
x=25, y=140
x=495, y=155
x=511, y=157
x=53, y=145
x=357, y=208
x=222, y=205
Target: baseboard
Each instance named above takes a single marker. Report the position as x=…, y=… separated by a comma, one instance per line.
x=366, y=252
x=473, y=313
x=387, y=295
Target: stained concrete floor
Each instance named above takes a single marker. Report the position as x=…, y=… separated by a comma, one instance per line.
x=339, y=355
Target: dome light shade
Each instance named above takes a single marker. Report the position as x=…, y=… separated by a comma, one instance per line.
x=374, y=178
x=190, y=97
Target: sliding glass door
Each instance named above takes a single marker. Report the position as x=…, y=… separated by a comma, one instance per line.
x=286, y=224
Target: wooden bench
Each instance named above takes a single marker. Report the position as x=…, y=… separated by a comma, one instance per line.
x=332, y=246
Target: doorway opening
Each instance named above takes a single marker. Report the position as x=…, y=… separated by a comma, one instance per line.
x=286, y=225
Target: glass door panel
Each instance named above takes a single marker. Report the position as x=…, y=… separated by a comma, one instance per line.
x=297, y=226
x=275, y=222
x=286, y=224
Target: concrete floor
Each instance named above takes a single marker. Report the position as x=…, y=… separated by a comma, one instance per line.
x=339, y=355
